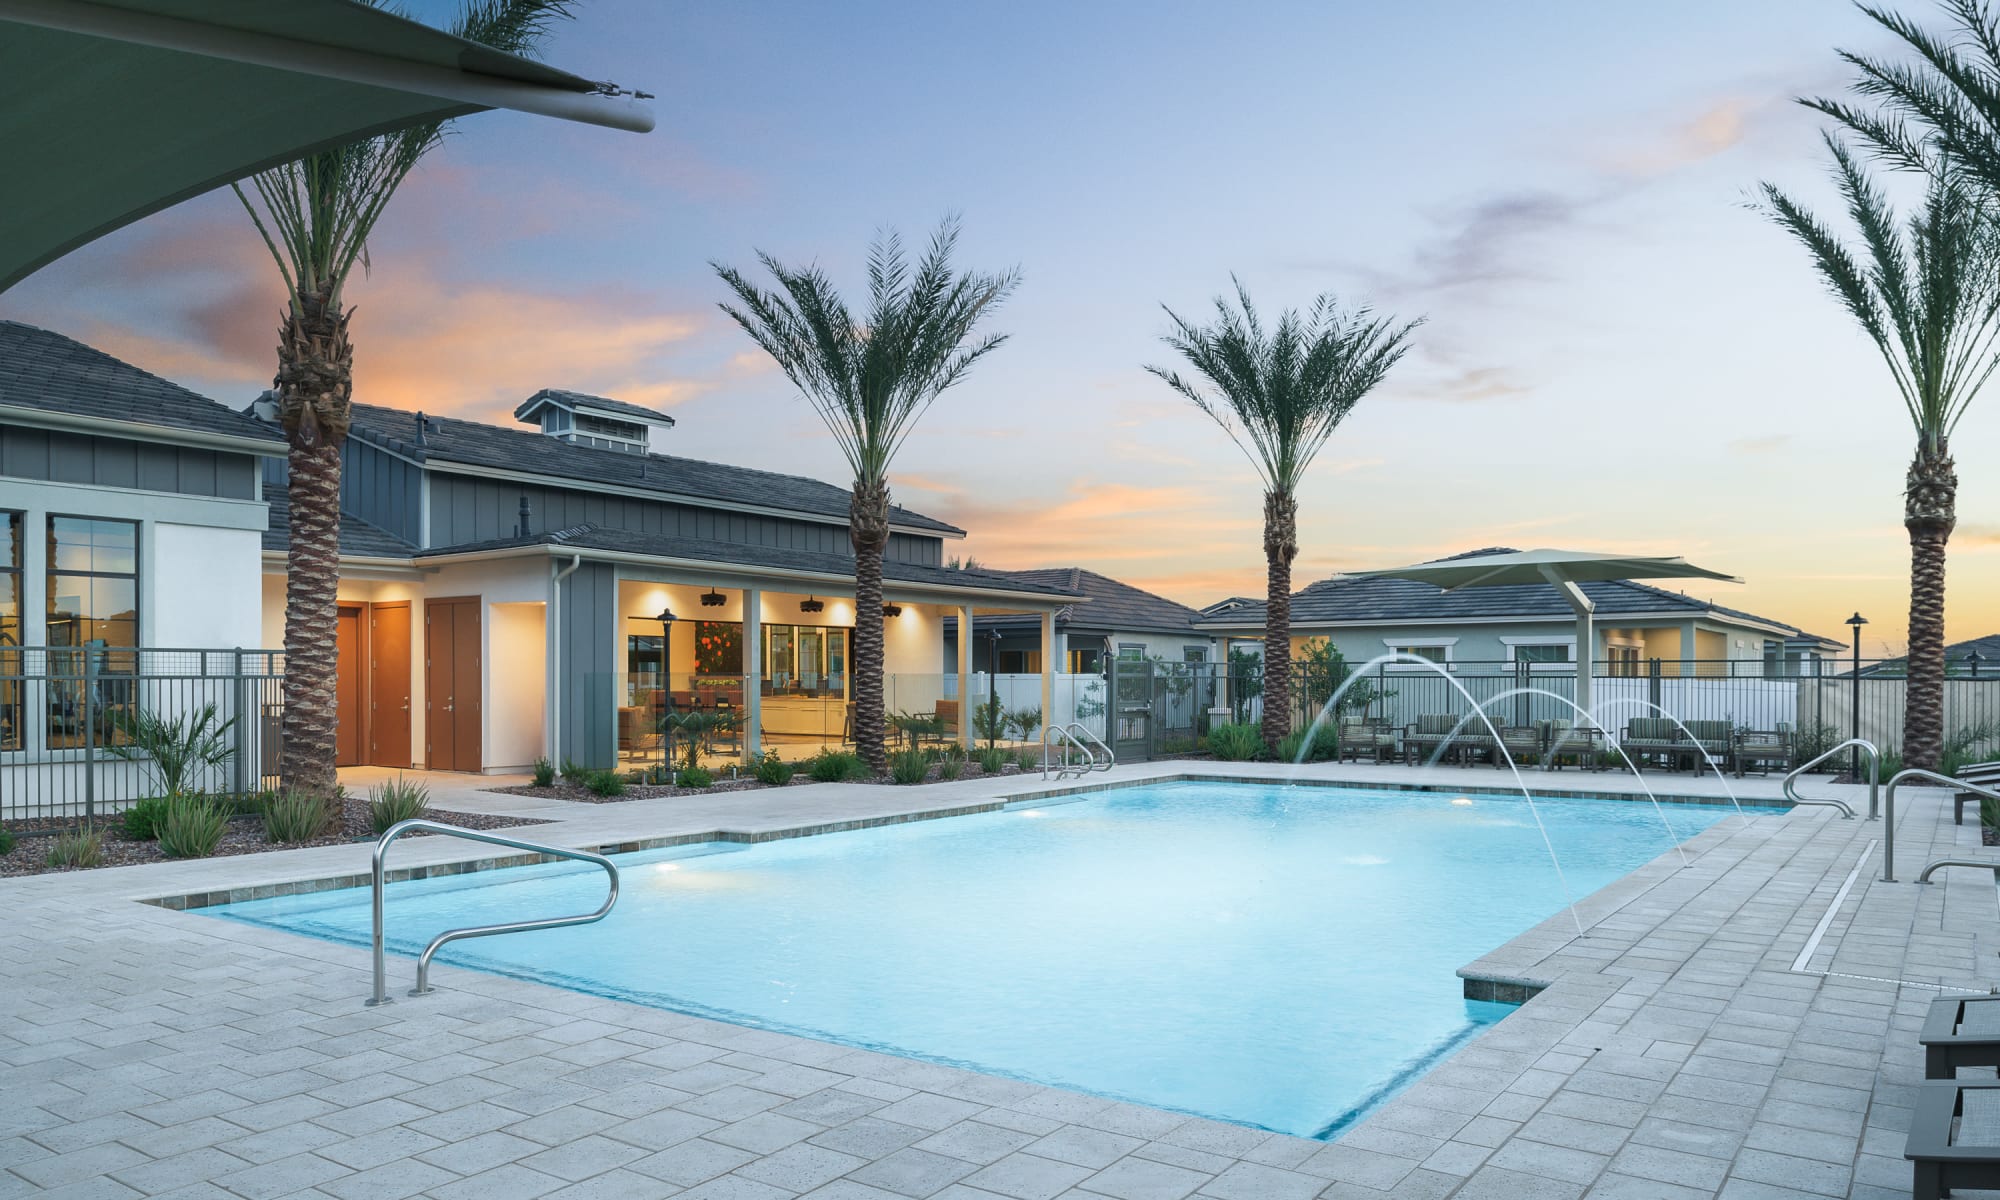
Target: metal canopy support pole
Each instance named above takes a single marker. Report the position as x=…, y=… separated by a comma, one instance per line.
x=966, y=703
x=753, y=672
x=1048, y=668
x=1586, y=635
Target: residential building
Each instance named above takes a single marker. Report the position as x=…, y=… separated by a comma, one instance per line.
x=1117, y=621
x=1637, y=626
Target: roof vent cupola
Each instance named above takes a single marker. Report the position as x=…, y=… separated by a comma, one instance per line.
x=584, y=420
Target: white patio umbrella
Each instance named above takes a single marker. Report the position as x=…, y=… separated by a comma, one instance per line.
x=1564, y=569
x=111, y=110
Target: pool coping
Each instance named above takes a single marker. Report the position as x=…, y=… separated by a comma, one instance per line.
x=185, y=901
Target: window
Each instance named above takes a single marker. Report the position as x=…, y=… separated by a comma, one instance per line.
x=93, y=605
x=10, y=631
x=1020, y=662
x=802, y=659
x=1541, y=654
x=1131, y=652
x=1437, y=654
x=1194, y=654
x=1086, y=660
x=1624, y=660
x=643, y=664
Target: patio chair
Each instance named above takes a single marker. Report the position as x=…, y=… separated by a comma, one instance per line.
x=1764, y=749
x=1986, y=775
x=1360, y=735
x=1714, y=741
x=1654, y=738
x=947, y=716
x=1562, y=740
x=1433, y=732
x=1960, y=1031
x=1521, y=742
x=1954, y=1137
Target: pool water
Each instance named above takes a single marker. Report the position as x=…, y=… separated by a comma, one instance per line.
x=1277, y=957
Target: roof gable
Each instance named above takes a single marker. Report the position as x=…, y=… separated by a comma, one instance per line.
x=48, y=372
x=584, y=402
x=1112, y=604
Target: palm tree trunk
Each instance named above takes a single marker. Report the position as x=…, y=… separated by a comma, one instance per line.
x=315, y=385
x=868, y=525
x=1281, y=546
x=1930, y=510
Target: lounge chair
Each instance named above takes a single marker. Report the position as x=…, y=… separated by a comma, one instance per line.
x=1581, y=746
x=1764, y=749
x=1714, y=741
x=1960, y=1031
x=1427, y=736
x=1359, y=736
x=1655, y=738
x=1954, y=1137
x=1521, y=742
x=1986, y=775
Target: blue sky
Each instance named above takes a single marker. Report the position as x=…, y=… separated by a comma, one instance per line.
x=1618, y=352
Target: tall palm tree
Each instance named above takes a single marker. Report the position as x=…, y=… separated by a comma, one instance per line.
x=316, y=215
x=1279, y=395
x=870, y=381
x=1927, y=293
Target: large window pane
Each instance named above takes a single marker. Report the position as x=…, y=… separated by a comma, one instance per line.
x=93, y=607
x=10, y=631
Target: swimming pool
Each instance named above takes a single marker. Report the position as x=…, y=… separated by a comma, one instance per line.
x=1277, y=957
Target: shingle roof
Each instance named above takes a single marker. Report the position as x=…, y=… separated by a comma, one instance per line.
x=1112, y=605
x=592, y=537
x=357, y=537
x=44, y=370
x=1352, y=600
x=1955, y=656
x=450, y=440
x=586, y=400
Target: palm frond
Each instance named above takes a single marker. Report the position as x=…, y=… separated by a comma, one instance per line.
x=870, y=381
x=1280, y=394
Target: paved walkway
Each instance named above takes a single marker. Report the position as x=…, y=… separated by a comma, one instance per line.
x=1675, y=1053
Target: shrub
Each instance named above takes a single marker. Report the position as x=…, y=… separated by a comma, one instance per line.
x=294, y=817
x=954, y=751
x=396, y=801
x=545, y=773
x=6, y=842
x=837, y=766
x=909, y=766
x=1989, y=813
x=1027, y=722
x=1235, y=743
x=694, y=732
x=179, y=749
x=193, y=827
x=78, y=848
x=1179, y=743
x=657, y=775
x=696, y=777
x=605, y=783
x=1028, y=760
x=991, y=760
x=951, y=768
x=574, y=772
x=1292, y=746
x=774, y=770
x=141, y=822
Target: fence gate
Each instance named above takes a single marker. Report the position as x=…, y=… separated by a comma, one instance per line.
x=1134, y=710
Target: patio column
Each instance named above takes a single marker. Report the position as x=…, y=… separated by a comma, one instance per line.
x=965, y=699
x=1048, y=667
x=753, y=671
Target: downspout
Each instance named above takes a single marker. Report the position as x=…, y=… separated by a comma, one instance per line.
x=557, y=575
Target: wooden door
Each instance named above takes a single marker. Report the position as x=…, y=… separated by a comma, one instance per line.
x=451, y=683
x=350, y=713
x=389, y=684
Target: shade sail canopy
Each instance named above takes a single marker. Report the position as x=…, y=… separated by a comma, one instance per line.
x=1544, y=566
x=113, y=110
x=1565, y=569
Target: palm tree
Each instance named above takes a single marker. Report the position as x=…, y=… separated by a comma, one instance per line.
x=316, y=215
x=1279, y=395
x=870, y=382
x=1927, y=293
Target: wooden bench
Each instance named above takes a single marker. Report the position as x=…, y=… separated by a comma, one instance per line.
x=1763, y=749
x=1954, y=1137
x=1960, y=1031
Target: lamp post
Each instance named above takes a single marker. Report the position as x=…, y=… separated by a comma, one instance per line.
x=1854, y=768
x=1972, y=660
x=666, y=620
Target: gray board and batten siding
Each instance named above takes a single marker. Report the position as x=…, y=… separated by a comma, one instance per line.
x=587, y=626
x=60, y=456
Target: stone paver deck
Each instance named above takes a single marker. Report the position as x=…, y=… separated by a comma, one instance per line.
x=1680, y=1049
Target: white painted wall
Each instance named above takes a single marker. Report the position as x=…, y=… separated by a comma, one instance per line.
x=205, y=588
x=516, y=667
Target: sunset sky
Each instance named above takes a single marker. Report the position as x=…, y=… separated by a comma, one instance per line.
x=1619, y=354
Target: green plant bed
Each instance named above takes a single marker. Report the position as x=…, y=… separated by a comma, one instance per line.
x=991, y=760
x=193, y=827
x=696, y=777
x=395, y=801
x=909, y=766
x=1235, y=743
x=605, y=783
x=774, y=770
x=78, y=848
x=836, y=766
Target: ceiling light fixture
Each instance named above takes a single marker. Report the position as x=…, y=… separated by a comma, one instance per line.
x=892, y=610
x=811, y=604
x=713, y=599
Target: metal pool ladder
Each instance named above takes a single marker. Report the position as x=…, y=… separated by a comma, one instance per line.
x=1874, y=778
x=1074, y=736
x=378, y=879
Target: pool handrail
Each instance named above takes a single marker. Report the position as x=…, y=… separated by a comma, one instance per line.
x=1078, y=735
x=378, y=878
x=1847, y=810
x=1933, y=867
x=1889, y=815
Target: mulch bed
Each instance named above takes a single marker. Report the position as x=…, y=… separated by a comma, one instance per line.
x=245, y=836
x=638, y=791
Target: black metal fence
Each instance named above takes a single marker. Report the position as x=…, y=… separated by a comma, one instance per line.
x=74, y=721
x=1161, y=708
